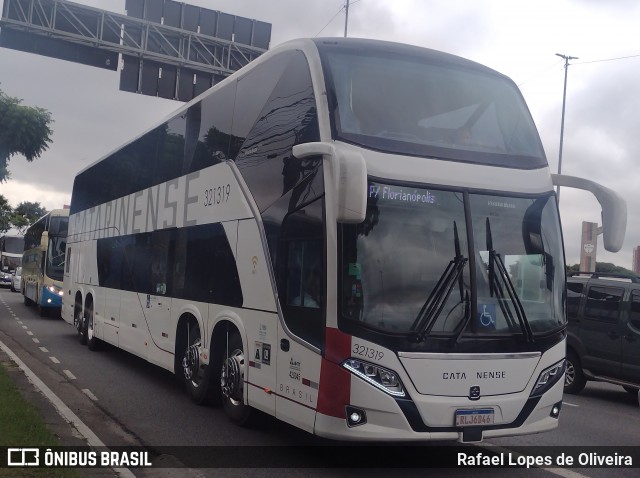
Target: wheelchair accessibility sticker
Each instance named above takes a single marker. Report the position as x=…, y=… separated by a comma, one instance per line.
x=487, y=316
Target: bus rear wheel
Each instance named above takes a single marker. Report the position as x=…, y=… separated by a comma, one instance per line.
x=232, y=373
x=197, y=376
x=92, y=341
x=79, y=322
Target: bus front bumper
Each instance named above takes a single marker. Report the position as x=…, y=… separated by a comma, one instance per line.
x=50, y=298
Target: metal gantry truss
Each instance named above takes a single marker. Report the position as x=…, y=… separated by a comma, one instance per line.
x=182, y=50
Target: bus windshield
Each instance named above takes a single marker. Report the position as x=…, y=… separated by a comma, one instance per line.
x=394, y=261
x=13, y=244
x=418, y=105
x=56, y=257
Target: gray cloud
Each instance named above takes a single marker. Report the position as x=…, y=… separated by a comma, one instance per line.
x=601, y=138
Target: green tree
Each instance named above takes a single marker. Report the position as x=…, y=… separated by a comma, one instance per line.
x=23, y=130
x=6, y=212
x=604, y=267
x=26, y=214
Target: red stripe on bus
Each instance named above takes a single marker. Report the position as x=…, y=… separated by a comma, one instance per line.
x=335, y=382
x=337, y=345
x=335, y=389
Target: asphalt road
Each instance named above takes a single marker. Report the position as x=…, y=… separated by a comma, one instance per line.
x=129, y=402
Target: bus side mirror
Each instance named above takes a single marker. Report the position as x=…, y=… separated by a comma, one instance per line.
x=44, y=239
x=614, y=208
x=349, y=173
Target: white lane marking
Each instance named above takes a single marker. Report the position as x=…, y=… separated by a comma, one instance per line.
x=570, y=404
x=44, y=349
x=20, y=322
x=25, y=327
x=64, y=411
x=29, y=332
x=54, y=360
x=69, y=374
x=564, y=472
x=36, y=340
x=89, y=394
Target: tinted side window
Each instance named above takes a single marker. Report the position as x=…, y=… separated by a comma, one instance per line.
x=162, y=261
x=204, y=268
x=574, y=294
x=634, y=311
x=110, y=256
x=168, y=151
x=289, y=117
x=141, y=270
x=253, y=92
x=603, y=303
x=215, y=116
x=301, y=272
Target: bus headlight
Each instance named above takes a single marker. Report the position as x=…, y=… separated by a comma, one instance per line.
x=55, y=290
x=380, y=377
x=548, y=377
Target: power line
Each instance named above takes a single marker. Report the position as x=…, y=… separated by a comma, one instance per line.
x=540, y=72
x=343, y=7
x=607, y=59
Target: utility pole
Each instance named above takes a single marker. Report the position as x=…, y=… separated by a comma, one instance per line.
x=346, y=18
x=564, y=100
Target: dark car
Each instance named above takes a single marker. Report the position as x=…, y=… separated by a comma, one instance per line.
x=603, y=341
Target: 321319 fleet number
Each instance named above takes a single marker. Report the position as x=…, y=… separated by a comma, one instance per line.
x=217, y=195
x=367, y=352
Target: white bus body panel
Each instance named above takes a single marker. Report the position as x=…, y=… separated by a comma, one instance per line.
x=253, y=268
x=298, y=383
x=261, y=353
x=453, y=374
x=107, y=329
x=386, y=420
x=453, y=174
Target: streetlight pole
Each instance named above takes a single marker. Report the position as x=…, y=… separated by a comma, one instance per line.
x=564, y=101
x=346, y=18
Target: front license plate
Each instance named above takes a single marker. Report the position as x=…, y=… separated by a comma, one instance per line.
x=474, y=417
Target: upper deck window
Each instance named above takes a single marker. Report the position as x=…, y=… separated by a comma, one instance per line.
x=412, y=101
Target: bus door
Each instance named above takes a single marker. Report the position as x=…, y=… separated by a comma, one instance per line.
x=157, y=305
x=302, y=299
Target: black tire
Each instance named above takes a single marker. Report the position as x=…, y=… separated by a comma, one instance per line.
x=632, y=390
x=92, y=341
x=574, y=379
x=197, y=376
x=28, y=302
x=43, y=311
x=232, y=365
x=80, y=323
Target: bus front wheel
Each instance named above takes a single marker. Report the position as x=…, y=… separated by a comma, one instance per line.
x=232, y=372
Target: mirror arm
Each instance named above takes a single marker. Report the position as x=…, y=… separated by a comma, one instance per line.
x=614, y=208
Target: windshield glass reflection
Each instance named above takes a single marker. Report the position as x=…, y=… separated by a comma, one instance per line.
x=397, y=266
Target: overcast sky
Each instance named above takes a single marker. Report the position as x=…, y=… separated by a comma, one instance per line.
x=517, y=38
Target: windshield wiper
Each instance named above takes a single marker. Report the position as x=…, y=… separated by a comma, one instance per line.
x=495, y=262
x=436, y=301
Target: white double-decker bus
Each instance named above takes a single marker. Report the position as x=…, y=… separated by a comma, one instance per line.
x=360, y=238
